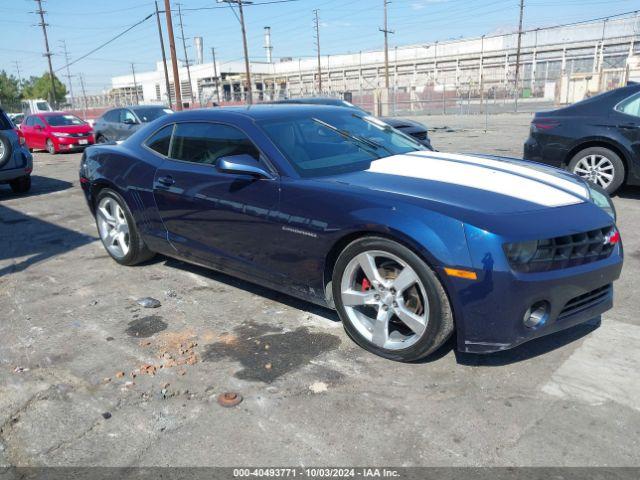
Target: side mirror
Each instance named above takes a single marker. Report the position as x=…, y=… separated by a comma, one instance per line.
x=129, y=121
x=242, y=165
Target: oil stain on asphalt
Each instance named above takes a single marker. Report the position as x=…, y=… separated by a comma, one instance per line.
x=146, y=326
x=266, y=353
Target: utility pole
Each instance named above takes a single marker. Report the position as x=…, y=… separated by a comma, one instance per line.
x=18, y=70
x=135, y=83
x=164, y=57
x=215, y=74
x=186, y=57
x=317, y=27
x=517, y=76
x=244, y=44
x=84, y=95
x=174, y=59
x=386, y=32
x=43, y=24
x=68, y=75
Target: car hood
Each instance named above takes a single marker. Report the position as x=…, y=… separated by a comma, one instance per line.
x=71, y=128
x=469, y=183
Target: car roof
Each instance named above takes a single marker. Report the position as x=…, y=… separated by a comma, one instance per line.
x=257, y=112
x=52, y=114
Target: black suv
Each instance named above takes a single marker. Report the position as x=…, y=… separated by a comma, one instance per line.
x=16, y=163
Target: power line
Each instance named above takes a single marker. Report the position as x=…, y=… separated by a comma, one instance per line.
x=102, y=45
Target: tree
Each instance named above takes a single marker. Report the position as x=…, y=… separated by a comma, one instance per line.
x=38, y=87
x=9, y=91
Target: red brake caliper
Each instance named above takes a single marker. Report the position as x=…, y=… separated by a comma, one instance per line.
x=366, y=285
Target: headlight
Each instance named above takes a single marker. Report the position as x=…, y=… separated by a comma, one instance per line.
x=60, y=134
x=521, y=252
x=602, y=199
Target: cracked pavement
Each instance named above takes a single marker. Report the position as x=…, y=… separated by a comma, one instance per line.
x=69, y=324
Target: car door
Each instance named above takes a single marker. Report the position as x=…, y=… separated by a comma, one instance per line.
x=26, y=127
x=220, y=219
x=39, y=133
x=110, y=124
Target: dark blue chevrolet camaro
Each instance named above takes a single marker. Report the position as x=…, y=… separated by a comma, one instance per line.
x=336, y=207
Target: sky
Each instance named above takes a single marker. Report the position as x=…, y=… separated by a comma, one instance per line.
x=345, y=26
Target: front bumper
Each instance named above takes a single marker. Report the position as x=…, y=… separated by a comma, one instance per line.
x=72, y=143
x=490, y=311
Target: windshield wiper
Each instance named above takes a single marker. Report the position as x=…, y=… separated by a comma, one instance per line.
x=358, y=140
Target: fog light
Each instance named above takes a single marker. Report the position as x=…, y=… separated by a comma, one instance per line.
x=536, y=315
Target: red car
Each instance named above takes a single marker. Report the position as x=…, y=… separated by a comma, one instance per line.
x=56, y=132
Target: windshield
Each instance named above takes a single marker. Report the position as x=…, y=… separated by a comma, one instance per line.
x=328, y=143
x=63, y=120
x=150, y=114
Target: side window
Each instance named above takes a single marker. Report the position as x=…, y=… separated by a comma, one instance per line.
x=111, y=116
x=206, y=142
x=28, y=121
x=630, y=106
x=37, y=121
x=160, y=141
x=126, y=116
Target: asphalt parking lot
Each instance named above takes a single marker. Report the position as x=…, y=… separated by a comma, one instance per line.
x=88, y=377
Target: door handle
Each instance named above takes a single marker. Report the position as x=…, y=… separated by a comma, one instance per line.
x=628, y=126
x=166, y=181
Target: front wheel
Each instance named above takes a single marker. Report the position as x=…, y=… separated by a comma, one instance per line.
x=390, y=302
x=600, y=166
x=51, y=148
x=118, y=230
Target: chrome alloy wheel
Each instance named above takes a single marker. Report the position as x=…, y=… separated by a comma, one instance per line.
x=597, y=169
x=2, y=150
x=384, y=299
x=113, y=227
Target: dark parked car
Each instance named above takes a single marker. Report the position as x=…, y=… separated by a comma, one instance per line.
x=410, y=127
x=340, y=209
x=16, y=163
x=118, y=124
x=597, y=138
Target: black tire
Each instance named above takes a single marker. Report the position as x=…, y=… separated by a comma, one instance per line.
x=51, y=148
x=6, y=149
x=138, y=251
x=21, y=185
x=440, y=323
x=101, y=139
x=614, y=158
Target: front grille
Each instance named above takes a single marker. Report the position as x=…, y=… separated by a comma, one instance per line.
x=78, y=135
x=564, y=252
x=585, y=301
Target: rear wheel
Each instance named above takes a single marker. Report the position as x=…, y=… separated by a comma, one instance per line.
x=51, y=148
x=390, y=302
x=101, y=139
x=118, y=230
x=600, y=166
x=21, y=185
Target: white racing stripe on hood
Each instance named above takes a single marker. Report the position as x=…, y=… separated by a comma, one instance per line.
x=474, y=176
x=511, y=167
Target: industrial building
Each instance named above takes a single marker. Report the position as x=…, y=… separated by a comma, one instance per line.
x=559, y=64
